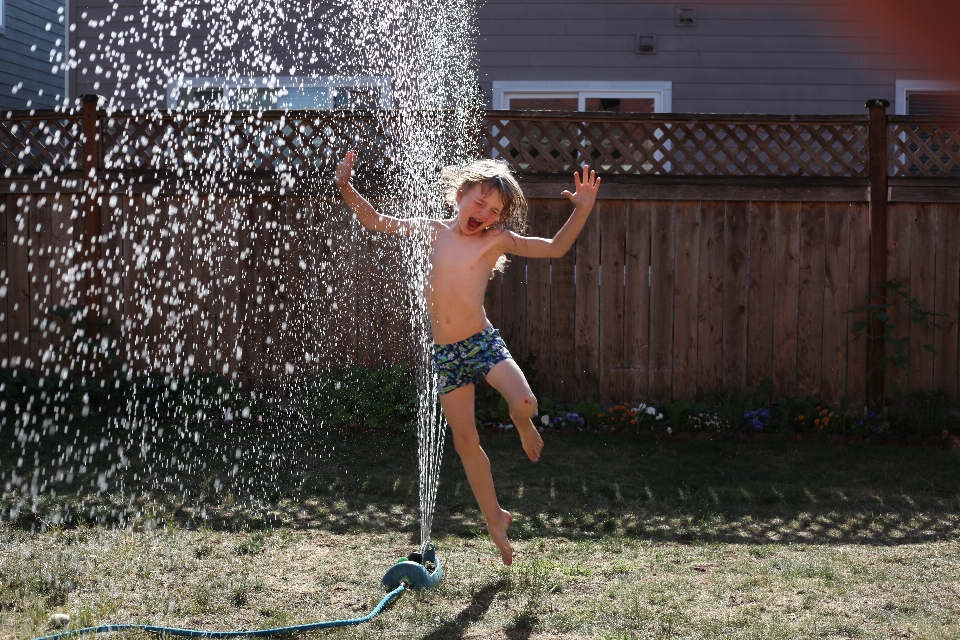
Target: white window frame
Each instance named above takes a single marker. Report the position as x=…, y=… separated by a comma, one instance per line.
x=174, y=87
x=905, y=87
x=661, y=91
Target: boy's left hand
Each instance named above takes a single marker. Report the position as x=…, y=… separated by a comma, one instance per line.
x=586, y=187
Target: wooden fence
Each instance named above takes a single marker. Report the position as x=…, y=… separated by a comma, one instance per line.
x=723, y=250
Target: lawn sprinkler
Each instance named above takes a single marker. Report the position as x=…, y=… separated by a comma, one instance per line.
x=415, y=571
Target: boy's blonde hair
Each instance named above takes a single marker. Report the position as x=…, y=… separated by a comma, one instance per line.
x=490, y=174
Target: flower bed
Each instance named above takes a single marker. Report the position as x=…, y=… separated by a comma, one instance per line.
x=921, y=419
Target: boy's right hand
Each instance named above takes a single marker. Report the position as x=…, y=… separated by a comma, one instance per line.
x=345, y=169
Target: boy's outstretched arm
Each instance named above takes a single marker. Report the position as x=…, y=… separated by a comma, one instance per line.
x=583, y=200
x=361, y=207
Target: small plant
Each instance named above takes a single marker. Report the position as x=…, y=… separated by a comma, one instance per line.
x=892, y=295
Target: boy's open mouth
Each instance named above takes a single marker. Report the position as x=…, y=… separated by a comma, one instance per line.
x=473, y=224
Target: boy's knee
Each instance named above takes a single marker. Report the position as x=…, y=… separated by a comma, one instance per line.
x=524, y=408
x=466, y=443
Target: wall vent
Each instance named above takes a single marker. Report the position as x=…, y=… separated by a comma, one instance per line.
x=686, y=17
x=646, y=44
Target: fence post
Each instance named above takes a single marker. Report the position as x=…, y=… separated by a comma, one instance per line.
x=877, y=145
x=91, y=206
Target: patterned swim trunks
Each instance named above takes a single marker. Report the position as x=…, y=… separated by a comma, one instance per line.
x=465, y=362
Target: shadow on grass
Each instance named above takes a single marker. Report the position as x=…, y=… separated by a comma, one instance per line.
x=477, y=608
x=243, y=477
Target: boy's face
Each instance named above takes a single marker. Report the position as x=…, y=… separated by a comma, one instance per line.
x=478, y=209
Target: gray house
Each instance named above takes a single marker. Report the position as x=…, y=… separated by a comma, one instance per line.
x=707, y=56
x=32, y=50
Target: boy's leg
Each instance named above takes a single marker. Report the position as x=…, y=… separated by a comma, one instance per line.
x=458, y=409
x=507, y=378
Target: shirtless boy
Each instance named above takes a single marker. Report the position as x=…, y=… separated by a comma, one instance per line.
x=465, y=250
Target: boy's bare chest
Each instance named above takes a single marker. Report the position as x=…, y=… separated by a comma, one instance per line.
x=456, y=254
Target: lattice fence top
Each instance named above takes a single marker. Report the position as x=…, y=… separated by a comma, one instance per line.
x=532, y=142
x=924, y=150
x=547, y=145
x=39, y=144
x=242, y=142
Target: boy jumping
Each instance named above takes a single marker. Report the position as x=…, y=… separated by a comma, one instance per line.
x=465, y=250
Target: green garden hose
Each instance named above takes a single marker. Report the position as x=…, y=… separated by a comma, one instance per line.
x=194, y=633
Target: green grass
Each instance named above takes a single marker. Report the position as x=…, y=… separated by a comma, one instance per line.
x=616, y=538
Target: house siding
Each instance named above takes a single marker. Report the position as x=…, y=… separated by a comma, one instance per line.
x=769, y=56
x=742, y=57
x=26, y=22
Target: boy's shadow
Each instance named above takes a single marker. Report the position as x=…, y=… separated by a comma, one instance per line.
x=478, y=606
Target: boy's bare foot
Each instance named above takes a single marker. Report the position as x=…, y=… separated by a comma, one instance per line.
x=498, y=533
x=530, y=438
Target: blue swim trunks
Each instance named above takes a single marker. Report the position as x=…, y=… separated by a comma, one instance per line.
x=467, y=361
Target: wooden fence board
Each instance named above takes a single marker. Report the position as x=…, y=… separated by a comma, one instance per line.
x=587, y=310
x=184, y=271
x=835, y=296
x=38, y=216
x=274, y=296
x=810, y=331
x=947, y=300
x=18, y=301
x=229, y=298
x=538, y=301
x=922, y=284
x=736, y=281
x=860, y=249
x=157, y=245
x=369, y=289
x=515, y=307
x=786, y=309
x=132, y=329
x=760, y=312
x=111, y=254
x=662, y=287
x=899, y=228
x=64, y=273
x=636, y=353
x=710, y=291
x=254, y=291
x=685, y=314
x=563, y=304
x=6, y=204
x=612, y=243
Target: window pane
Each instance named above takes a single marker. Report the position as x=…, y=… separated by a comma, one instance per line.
x=303, y=98
x=933, y=103
x=201, y=98
x=620, y=105
x=544, y=104
x=356, y=98
x=260, y=98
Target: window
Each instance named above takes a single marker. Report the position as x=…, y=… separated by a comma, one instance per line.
x=927, y=97
x=281, y=93
x=634, y=97
x=3, y=17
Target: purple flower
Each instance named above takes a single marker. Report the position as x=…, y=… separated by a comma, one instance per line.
x=756, y=424
x=763, y=414
x=871, y=415
x=749, y=415
x=861, y=422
